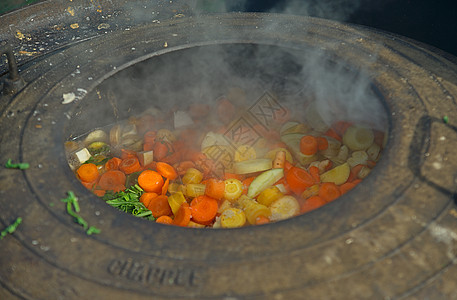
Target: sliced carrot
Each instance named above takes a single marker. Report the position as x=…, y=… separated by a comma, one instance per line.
x=287, y=189
x=261, y=220
x=322, y=143
x=165, y=220
x=150, y=181
x=145, y=198
x=346, y=187
x=182, y=217
x=329, y=191
x=215, y=188
x=203, y=209
x=355, y=172
x=130, y=165
x=151, y=166
x=89, y=185
x=182, y=167
x=112, y=180
x=172, y=158
x=333, y=134
x=314, y=171
x=312, y=203
x=159, y=206
x=299, y=180
x=161, y=150
x=149, y=137
x=148, y=146
x=287, y=166
x=166, y=170
x=88, y=172
x=165, y=186
x=100, y=193
x=308, y=145
x=125, y=153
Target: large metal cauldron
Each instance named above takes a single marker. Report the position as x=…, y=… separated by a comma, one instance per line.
x=393, y=236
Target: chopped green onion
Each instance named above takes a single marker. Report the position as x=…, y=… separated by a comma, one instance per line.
x=21, y=166
x=11, y=228
x=446, y=119
x=73, y=208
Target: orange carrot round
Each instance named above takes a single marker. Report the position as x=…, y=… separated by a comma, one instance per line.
x=159, y=206
x=125, y=153
x=333, y=134
x=329, y=191
x=148, y=146
x=299, y=180
x=182, y=217
x=165, y=186
x=215, y=188
x=88, y=172
x=113, y=164
x=147, y=197
x=164, y=220
x=308, y=145
x=112, y=180
x=150, y=181
x=314, y=171
x=166, y=170
x=149, y=137
x=203, y=209
x=312, y=203
x=346, y=187
x=130, y=165
x=99, y=193
x=322, y=143
x=261, y=220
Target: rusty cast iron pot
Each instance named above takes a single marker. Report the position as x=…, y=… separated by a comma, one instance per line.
x=393, y=236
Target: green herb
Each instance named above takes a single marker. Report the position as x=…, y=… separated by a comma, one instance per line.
x=11, y=228
x=21, y=166
x=129, y=201
x=446, y=119
x=73, y=210
x=97, y=160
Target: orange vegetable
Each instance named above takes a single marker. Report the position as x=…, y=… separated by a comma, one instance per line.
x=130, y=165
x=89, y=185
x=261, y=220
x=161, y=149
x=182, y=217
x=164, y=220
x=149, y=137
x=150, y=181
x=88, y=172
x=280, y=160
x=148, y=146
x=125, y=153
x=312, y=203
x=233, y=176
x=215, y=188
x=346, y=187
x=165, y=186
x=355, y=172
x=314, y=171
x=166, y=170
x=329, y=191
x=112, y=180
x=100, y=193
x=333, y=134
x=147, y=197
x=113, y=164
x=322, y=143
x=159, y=206
x=299, y=180
x=308, y=145
x=287, y=166
x=182, y=167
x=203, y=209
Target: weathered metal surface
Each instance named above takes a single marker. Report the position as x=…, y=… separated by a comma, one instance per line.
x=393, y=236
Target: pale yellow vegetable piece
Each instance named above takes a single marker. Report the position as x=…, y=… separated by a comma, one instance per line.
x=232, y=218
x=233, y=189
x=284, y=208
x=244, y=152
x=373, y=152
x=252, y=166
x=263, y=181
x=337, y=175
x=145, y=157
x=174, y=187
x=271, y=154
x=96, y=146
x=297, y=128
x=226, y=204
x=358, y=138
x=364, y=172
x=358, y=158
x=333, y=148
x=165, y=135
x=192, y=175
x=115, y=135
x=97, y=135
x=269, y=195
x=195, y=225
x=252, y=209
x=286, y=126
x=195, y=189
x=214, y=139
x=175, y=200
x=311, y=191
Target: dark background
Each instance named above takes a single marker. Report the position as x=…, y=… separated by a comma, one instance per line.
x=433, y=22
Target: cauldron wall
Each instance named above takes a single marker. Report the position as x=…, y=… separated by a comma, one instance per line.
x=393, y=236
